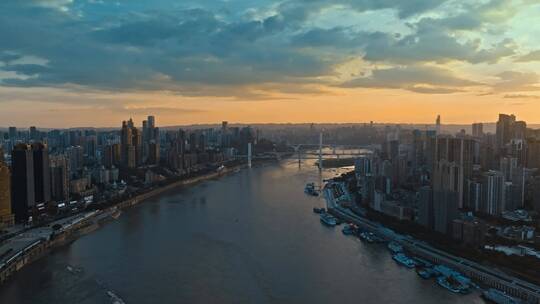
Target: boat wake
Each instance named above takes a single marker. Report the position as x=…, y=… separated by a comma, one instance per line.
x=115, y=299
x=74, y=270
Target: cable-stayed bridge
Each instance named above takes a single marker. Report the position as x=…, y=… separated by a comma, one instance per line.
x=303, y=151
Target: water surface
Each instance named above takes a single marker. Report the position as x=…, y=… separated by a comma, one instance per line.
x=250, y=237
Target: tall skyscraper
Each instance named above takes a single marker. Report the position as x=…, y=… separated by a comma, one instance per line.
x=111, y=155
x=75, y=156
x=445, y=209
x=151, y=122
x=33, y=133
x=453, y=165
x=493, y=196
x=425, y=207
x=42, y=175
x=505, y=130
x=519, y=130
x=12, y=133
x=150, y=141
x=478, y=130
x=59, y=178
x=533, y=153
x=225, y=137
x=153, y=156
x=6, y=216
x=132, y=143
x=508, y=166
x=22, y=182
x=535, y=184
x=438, y=124
x=90, y=146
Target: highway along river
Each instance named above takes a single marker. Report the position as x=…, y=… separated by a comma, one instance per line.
x=250, y=237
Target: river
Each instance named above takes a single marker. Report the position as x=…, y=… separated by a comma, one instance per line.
x=250, y=237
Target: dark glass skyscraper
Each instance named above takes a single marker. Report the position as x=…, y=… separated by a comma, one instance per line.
x=22, y=181
x=42, y=174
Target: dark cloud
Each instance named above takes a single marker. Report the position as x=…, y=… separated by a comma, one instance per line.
x=432, y=44
x=192, y=47
x=420, y=79
x=300, y=10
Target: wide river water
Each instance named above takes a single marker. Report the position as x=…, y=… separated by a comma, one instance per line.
x=250, y=237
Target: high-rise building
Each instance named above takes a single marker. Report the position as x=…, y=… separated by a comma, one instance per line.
x=59, y=178
x=131, y=140
x=111, y=155
x=535, y=185
x=445, y=209
x=515, y=196
x=425, y=207
x=12, y=133
x=478, y=130
x=75, y=155
x=519, y=130
x=42, y=175
x=533, y=153
x=453, y=165
x=22, y=182
x=90, y=146
x=153, y=156
x=508, y=166
x=150, y=134
x=474, y=194
x=493, y=190
x=225, y=137
x=505, y=130
x=33, y=133
x=438, y=124
x=6, y=216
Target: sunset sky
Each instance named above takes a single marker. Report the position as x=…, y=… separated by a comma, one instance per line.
x=96, y=62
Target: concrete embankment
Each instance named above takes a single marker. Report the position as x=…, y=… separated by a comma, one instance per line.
x=27, y=247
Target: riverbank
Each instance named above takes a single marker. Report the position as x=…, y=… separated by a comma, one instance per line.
x=483, y=275
x=36, y=243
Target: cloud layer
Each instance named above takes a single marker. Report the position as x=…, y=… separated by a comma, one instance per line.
x=256, y=49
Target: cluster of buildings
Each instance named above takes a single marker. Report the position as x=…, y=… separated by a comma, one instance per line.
x=47, y=173
x=458, y=185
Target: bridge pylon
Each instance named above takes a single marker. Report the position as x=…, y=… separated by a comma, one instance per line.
x=320, y=151
x=249, y=155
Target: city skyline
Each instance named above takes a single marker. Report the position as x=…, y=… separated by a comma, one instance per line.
x=270, y=151
x=447, y=203
x=267, y=61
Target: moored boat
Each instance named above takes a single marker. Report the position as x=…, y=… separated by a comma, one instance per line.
x=366, y=236
x=452, y=280
x=349, y=229
x=395, y=247
x=404, y=260
x=425, y=273
x=310, y=189
x=319, y=210
x=328, y=220
x=445, y=283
